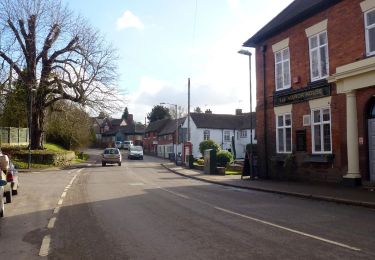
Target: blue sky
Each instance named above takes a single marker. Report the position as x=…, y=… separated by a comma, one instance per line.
x=163, y=42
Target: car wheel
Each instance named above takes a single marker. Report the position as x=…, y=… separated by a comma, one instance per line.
x=8, y=196
x=103, y=163
x=119, y=164
x=14, y=192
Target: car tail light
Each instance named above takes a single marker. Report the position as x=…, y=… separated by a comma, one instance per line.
x=9, y=177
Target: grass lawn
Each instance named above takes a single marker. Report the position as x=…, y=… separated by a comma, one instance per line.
x=49, y=147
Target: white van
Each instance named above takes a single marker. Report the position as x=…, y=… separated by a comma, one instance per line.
x=126, y=144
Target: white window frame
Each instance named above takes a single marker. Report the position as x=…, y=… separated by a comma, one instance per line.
x=283, y=127
x=226, y=136
x=244, y=133
x=367, y=28
x=285, y=65
x=206, y=135
x=311, y=50
x=321, y=123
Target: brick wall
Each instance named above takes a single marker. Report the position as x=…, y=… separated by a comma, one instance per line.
x=346, y=44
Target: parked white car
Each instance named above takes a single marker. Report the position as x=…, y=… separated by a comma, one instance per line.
x=127, y=144
x=135, y=152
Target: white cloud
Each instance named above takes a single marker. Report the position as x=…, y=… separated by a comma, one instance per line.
x=129, y=20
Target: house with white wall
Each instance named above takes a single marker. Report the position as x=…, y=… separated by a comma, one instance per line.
x=221, y=128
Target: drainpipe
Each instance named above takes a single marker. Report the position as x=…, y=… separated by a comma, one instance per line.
x=264, y=49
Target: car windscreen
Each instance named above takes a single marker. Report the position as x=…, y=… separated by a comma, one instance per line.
x=136, y=148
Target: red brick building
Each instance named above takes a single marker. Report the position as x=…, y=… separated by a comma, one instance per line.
x=315, y=68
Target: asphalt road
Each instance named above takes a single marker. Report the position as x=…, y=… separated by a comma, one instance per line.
x=142, y=211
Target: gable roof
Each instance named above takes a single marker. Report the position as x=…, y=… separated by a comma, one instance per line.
x=296, y=12
x=246, y=118
x=222, y=121
x=170, y=126
x=156, y=126
x=116, y=122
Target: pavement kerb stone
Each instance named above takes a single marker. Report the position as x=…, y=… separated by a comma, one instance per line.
x=282, y=192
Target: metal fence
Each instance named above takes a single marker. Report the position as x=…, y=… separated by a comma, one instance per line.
x=14, y=136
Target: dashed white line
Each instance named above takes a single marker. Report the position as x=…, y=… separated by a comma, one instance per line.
x=289, y=229
x=51, y=223
x=175, y=193
x=44, y=249
x=56, y=210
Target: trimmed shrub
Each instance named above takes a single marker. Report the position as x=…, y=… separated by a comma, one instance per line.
x=224, y=158
x=208, y=144
x=200, y=161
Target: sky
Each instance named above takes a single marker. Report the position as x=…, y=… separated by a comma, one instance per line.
x=162, y=43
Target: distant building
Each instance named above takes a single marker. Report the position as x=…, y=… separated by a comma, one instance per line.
x=231, y=132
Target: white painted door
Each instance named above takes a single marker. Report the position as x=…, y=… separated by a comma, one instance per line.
x=371, y=144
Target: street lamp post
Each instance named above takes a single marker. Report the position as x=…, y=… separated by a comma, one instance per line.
x=30, y=123
x=176, y=134
x=248, y=53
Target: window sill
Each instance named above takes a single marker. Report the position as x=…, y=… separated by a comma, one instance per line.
x=319, y=158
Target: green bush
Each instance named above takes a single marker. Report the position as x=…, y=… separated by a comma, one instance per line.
x=224, y=158
x=200, y=161
x=208, y=144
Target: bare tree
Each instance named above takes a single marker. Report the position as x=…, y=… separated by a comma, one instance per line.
x=57, y=56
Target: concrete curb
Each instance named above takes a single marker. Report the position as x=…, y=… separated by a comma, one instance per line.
x=282, y=192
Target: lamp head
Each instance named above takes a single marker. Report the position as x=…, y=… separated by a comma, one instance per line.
x=245, y=52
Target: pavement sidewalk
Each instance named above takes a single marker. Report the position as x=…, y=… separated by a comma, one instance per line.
x=357, y=196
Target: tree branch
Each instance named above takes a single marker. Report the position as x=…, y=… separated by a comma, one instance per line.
x=52, y=36
x=11, y=63
x=18, y=37
x=68, y=48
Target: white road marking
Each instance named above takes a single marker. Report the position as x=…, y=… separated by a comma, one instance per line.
x=46, y=243
x=44, y=249
x=56, y=210
x=51, y=223
x=290, y=230
x=136, y=184
x=175, y=193
x=266, y=222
